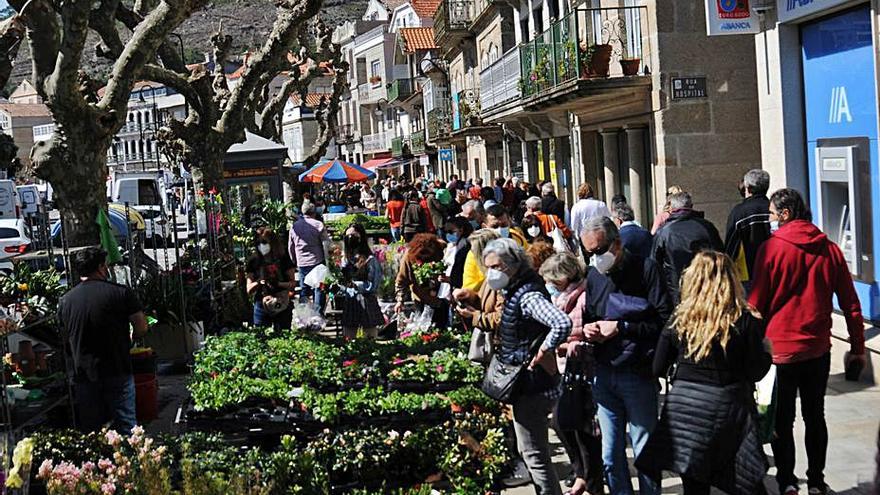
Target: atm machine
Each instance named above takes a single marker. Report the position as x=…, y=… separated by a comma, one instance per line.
x=844, y=200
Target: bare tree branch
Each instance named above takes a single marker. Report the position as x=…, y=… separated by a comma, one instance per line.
x=12, y=32
x=43, y=31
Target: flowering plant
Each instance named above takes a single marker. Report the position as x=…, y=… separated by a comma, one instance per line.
x=137, y=467
x=426, y=273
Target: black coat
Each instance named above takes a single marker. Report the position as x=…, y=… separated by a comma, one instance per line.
x=748, y=226
x=552, y=205
x=675, y=244
x=708, y=425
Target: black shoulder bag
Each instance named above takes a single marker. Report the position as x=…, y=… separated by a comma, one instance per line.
x=501, y=379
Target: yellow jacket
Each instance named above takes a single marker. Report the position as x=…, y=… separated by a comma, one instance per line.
x=473, y=277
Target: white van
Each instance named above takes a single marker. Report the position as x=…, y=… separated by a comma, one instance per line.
x=9, y=204
x=143, y=191
x=30, y=199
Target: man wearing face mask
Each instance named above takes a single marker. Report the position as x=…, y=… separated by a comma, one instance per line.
x=528, y=318
x=798, y=271
x=626, y=309
x=498, y=220
x=96, y=315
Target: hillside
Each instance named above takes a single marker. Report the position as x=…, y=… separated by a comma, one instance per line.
x=248, y=21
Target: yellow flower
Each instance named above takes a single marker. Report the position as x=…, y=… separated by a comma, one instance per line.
x=21, y=460
x=23, y=287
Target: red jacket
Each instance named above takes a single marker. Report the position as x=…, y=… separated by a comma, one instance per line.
x=429, y=224
x=796, y=273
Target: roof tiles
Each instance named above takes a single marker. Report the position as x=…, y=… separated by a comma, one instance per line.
x=420, y=38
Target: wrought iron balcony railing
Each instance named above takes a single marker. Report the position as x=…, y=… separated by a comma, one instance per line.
x=346, y=134
x=586, y=44
x=452, y=20
x=439, y=125
x=400, y=146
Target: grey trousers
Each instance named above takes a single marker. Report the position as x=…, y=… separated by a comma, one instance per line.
x=531, y=426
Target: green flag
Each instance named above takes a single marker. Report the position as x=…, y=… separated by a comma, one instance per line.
x=108, y=240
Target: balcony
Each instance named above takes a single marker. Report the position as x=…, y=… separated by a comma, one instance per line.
x=377, y=143
x=500, y=82
x=346, y=134
x=400, y=146
x=370, y=93
x=131, y=158
x=417, y=145
x=400, y=90
x=451, y=22
x=466, y=111
x=586, y=44
x=438, y=124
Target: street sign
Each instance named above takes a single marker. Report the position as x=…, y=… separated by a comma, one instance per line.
x=445, y=155
x=688, y=87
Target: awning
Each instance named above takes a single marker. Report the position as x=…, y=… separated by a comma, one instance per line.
x=381, y=164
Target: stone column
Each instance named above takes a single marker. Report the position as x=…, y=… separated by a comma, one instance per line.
x=611, y=161
x=635, y=145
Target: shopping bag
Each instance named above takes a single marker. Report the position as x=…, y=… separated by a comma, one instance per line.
x=765, y=399
x=480, y=350
x=559, y=242
x=317, y=276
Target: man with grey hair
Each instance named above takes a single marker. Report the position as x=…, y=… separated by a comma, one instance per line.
x=681, y=237
x=549, y=221
x=306, y=246
x=473, y=210
x=748, y=224
x=626, y=309
x=528, y=318
x=634, y=237
x=552, y=205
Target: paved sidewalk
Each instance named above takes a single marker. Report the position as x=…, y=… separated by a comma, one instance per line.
x=853, y=414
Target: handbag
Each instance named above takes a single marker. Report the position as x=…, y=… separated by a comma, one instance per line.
x=480, y=350
x=575, y=408
x=501, y=379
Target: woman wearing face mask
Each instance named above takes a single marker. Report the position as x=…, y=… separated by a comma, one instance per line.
x=531, y=329
x=270, y=277
x=480, y=309
x=362, y=276
x=533, y=230
x=574, y=415
x=424, y=248
x=457, y=247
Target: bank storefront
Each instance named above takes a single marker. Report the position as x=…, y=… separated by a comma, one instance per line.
x=837, y=121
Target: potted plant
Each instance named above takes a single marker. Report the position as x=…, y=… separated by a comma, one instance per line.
x=595, y=60
x=375, y=79
x=630, y=66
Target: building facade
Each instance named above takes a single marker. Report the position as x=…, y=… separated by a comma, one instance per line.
x=818, y=105
x=629, y=95
x=19, y=120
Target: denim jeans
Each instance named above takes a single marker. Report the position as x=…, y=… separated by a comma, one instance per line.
x=531, y=425
x=395, y=234
x=279, y=321
x=108, y=400
x=809, y=378
x=625, y=398
x=305, y=291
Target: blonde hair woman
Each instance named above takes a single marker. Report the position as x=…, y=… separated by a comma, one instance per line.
x=707, y=431
x=480, y=309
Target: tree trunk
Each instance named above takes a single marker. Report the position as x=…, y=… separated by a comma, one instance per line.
x=208, y=170
x=75, y=163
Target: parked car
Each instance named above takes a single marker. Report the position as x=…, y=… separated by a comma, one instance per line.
x=15, y=239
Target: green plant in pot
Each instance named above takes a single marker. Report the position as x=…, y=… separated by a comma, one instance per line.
x=595, y=60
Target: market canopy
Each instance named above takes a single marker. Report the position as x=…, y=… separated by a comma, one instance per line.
x=381, y=164
x=336, y=171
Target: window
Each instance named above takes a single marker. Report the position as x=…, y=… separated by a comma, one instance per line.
x=7, y=233
x=5, y=122
x=375, y=72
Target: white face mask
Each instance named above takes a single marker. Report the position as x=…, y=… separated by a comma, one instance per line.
x=504, y=232
x=774, y=226
x=264, y=248
x=534, y=231
x=497, y=279
x=603, y=262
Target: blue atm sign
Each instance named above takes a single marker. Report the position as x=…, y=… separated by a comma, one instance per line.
x=789, y=10
x=445, y=155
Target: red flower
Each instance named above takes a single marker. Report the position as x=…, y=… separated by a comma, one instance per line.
x=213, y=190
x=350, y=362
x=428, y=337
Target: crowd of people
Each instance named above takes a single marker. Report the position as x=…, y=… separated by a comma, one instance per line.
x=596, y=308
